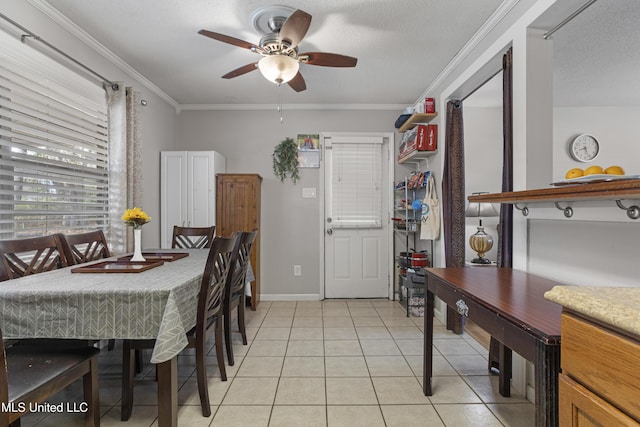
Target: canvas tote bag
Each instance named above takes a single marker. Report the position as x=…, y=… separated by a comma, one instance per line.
x=430, y=228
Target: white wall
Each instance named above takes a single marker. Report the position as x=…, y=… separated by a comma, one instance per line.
x=483, y=166
x=615, y=128
x=597, y=246
x=290, y=224
x=158, y=118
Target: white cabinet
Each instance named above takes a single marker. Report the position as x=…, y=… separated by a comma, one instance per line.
x=188, y=190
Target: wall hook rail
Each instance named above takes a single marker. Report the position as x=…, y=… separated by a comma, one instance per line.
x=568, y=211
x=633, y=211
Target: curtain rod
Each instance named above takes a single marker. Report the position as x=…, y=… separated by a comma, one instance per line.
x=113, y=85
x=569, y=18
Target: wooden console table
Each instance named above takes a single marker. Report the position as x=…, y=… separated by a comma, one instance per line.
x=509, y=305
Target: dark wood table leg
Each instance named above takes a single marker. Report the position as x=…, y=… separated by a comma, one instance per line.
x=428, y=345
x=494, y=356
x=168, y=393
x=504, y=386
x=455, y=321
x=547, y=367
x=126, y=405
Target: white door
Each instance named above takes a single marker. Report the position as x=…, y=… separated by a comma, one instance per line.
x=356, y=217
x=202, y=167
x=188, y=190
x=173, y=197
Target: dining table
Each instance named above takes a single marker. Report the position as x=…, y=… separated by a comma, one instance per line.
x=158, y=303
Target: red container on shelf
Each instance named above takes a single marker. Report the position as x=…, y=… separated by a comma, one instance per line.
x=427, y=138
x=429, y=105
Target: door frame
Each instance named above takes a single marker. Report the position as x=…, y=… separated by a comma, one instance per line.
x=389, y=136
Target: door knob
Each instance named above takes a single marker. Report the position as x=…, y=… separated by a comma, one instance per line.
x=330, y=231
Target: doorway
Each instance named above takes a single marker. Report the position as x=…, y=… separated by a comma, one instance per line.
x=356, y=215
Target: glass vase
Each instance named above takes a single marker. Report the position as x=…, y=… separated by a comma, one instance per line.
x=137, y=245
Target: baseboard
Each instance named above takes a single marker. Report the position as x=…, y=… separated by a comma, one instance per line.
x=290, y=297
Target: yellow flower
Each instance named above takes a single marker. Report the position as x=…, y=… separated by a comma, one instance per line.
x=135, y=217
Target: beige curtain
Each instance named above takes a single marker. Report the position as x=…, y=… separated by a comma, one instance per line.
x=125, y=164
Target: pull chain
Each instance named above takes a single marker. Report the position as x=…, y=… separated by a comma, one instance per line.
x=279, y=108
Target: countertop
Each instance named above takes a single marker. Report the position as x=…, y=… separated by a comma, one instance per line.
x=619, y=307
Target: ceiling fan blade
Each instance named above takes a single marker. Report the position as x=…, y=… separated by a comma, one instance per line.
x=297, y=83
x=240, y=71
x=228, y=39
x=295, y=27
x=328, y=59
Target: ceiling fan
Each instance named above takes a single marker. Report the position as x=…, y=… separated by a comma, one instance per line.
x=280, y=60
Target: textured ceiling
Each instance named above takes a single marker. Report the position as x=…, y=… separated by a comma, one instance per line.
x=401, y=46
x=597, y=56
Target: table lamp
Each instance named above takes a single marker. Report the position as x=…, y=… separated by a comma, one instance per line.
x=481, y=242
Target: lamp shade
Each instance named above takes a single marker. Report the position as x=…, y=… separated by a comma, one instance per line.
x=278, y=68
x=480, y=210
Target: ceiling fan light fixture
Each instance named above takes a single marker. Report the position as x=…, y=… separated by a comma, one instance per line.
x=278, y=68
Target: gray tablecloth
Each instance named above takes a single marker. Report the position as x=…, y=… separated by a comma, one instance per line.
x=159, y=303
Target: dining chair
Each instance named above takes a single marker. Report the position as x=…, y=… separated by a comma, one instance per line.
x=193, y=237
x=84, y=247
x=31, y=374
x=209, y=313
x=23, y=257
x=234, y=293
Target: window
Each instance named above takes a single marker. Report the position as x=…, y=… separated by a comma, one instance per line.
x=355, y=170
x=54, y=173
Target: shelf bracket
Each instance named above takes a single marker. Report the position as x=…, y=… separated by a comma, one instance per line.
x=633, y=211
x=568, y=211
x=524, y=210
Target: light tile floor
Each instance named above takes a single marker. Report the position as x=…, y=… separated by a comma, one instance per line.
x=331, y=363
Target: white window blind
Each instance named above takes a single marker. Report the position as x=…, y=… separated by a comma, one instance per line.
x=356, y=184
x=53, y=146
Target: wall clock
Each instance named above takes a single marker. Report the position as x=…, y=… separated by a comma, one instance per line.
x=584, y=148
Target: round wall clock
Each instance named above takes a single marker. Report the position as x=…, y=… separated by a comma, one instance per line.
x=584, y=148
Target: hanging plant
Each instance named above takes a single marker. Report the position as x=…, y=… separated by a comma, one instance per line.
x=285, y=160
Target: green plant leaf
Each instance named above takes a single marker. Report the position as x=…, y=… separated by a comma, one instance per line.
x=285, y=160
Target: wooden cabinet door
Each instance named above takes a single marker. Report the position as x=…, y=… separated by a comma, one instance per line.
x=238, y=209
x=579, y=407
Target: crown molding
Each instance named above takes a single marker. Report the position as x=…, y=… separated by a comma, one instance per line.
x=94, y=44
x=291, y=107
x=496, y=17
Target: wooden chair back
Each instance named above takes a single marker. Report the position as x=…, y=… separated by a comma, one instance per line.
x=240, y=260
x=193, y=237
x=84, y=247
x=211, y=295
x=23, y=257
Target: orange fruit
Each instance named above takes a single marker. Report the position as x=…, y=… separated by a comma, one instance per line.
x=574, y=173
x=614, y=170
x=593, y=170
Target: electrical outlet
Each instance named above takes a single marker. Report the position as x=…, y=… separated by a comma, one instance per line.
x=297, y=270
